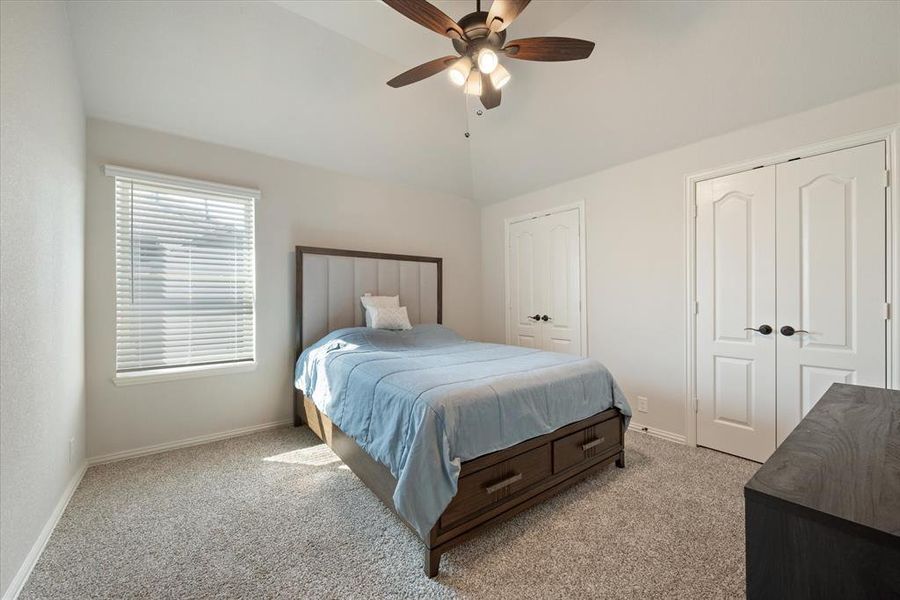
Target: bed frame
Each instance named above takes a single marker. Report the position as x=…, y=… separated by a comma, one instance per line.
x=492, y=488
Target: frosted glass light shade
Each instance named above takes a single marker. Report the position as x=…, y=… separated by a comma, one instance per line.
x=460, y=71
x=473, y=83
x=500, y=77
x=487, y=61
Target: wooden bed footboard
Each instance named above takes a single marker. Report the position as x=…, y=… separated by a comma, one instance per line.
x=494, y=487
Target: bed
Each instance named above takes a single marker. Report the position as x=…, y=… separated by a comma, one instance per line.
x=452, y=435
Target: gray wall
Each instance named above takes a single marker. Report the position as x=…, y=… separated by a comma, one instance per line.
x=42, y=402
x=299, y=205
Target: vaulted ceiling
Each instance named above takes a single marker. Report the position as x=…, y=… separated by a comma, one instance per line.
x=305, y=80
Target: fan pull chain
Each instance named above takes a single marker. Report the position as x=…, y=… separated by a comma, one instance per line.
x=478, y=112
x=467, y=115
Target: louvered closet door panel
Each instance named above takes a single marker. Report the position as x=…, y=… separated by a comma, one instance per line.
x=184, y=276
x=831, y=276
x=736, y=290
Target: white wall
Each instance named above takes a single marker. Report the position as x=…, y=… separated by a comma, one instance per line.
x=41, y=274
x=635, y=246
x=299, y=205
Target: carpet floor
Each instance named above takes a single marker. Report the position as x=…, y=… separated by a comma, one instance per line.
x=277, y=515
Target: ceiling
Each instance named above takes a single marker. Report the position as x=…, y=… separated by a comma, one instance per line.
x=304, y=81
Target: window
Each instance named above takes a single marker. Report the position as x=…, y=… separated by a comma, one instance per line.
x=185, y=275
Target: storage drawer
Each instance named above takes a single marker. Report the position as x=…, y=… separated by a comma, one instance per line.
x=585, y=445
x=495, y=484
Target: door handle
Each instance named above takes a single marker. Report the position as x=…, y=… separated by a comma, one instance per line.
x=788, y=331
x=763, y=329
x=545, y=318
x=535, y=318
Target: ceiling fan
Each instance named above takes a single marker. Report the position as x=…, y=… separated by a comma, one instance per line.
x=479, y=38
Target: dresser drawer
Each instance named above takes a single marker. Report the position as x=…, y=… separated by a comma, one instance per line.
x=495, y=484
x=585, y=445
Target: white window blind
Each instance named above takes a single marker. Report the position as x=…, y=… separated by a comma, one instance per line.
x=185, y=273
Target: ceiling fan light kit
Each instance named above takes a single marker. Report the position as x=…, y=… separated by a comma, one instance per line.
x=480, y=38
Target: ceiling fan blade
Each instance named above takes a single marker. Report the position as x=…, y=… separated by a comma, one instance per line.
x=549, y=49
x=423, y=71
x=490, y=96
x=426, y=14
x=503, y=12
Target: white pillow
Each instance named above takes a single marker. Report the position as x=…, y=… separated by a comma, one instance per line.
x=390, y=318
x=369, y=302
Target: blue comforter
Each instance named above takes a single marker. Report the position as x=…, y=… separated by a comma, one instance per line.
x=423, y=401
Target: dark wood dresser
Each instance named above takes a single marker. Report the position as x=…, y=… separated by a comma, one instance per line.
x=823, y=513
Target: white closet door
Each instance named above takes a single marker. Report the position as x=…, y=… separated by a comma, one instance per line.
x=545, y=282
x=562, y=295
x=831, y=276
x=527, y=274
x=736, y=291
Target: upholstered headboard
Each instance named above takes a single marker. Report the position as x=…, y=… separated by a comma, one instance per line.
x=330, y=283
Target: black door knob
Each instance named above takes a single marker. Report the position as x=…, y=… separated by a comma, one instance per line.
x=763, y=329
x=788, y=331
x=545, y=318
x=535, y=318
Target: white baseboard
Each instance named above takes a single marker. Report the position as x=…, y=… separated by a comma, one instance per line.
x=194, y=441
x=18, y=582
x=660, y=433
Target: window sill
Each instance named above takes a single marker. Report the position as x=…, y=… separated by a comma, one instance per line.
x=175, y=373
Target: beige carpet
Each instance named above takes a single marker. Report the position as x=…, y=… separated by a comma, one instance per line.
x=276, y=515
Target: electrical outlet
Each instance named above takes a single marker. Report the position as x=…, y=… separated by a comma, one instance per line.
x=71, y=449
x=642, y=404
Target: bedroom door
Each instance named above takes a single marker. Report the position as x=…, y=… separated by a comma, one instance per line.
x=736, y=293
x=544, y=278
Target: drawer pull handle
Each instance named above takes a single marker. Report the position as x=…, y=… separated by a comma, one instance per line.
x=502, y=484
x=587, y=446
